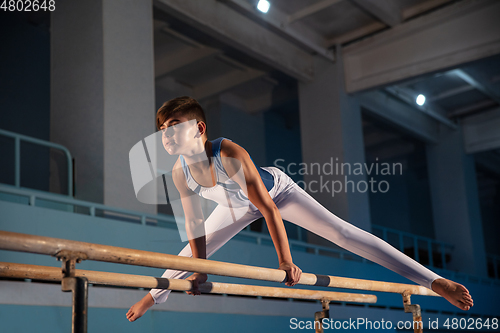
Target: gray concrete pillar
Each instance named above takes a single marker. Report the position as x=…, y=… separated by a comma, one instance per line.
x=456, y=209
x=102, y=92
x=331, y=130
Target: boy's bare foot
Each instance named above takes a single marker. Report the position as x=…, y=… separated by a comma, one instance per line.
x=140, y=308
x=454, y=292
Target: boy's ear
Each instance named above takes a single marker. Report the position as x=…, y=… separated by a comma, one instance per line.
x=202, y=127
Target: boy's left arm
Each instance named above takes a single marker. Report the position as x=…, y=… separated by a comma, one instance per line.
x=258, y=195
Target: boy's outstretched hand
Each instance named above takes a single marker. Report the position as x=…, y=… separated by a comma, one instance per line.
x=293, y=273
x=196, y=279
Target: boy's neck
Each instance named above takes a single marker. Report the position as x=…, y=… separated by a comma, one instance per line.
x=204, y=155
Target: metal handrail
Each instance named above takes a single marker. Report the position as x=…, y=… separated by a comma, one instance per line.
x=416, y=238
x=33, y=195
x=17, y=155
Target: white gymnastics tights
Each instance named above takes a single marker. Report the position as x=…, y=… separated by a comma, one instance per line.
x=298, y=207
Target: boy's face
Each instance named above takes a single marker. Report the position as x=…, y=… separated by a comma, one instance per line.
x=179, y=135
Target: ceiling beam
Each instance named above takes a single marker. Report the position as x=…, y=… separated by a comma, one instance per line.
x=481, y=131
x=377, y=26
x=312, y=9
x=387, y=11
x=398, y=113
x=168, y=86
x=221, y=22
x=449, y=93
x=255, y=104
x=473, y=108
x=432, y=111
x=223, y=83
x=167, y=64
x=277, y=22
x=460, y=33
x=357, y=33
x=422, y=8
x=477, y=82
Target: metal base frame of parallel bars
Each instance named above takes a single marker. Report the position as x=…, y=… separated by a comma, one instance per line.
x=76, y=281
x=408, y=307
x=78, y=286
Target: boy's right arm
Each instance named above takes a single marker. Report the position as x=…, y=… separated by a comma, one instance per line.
x=195, y=225
x=193, y=214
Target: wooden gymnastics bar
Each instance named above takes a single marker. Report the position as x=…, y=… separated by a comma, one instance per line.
x=71, y=252
x=47, y=273
x=88, y=251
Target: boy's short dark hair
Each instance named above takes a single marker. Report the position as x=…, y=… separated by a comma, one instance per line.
x=184, y=105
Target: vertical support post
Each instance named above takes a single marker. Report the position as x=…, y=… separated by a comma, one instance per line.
x=415, y=244
x=418, y=325
x=79, y=287
x=431, y=254
x=318, y=316
x=70, y=174
x=443, y=256
x=17, y=157
x=496, y=262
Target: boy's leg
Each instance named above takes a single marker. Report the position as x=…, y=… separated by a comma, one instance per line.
x=219, y=229
x=298, y=207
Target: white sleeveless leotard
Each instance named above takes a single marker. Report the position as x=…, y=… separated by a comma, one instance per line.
x=226, y=191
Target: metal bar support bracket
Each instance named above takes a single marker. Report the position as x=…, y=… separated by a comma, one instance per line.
x=318, y=316
x=415, y=310
x=69, y=259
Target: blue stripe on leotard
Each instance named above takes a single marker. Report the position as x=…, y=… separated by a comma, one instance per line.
x=266, y=177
